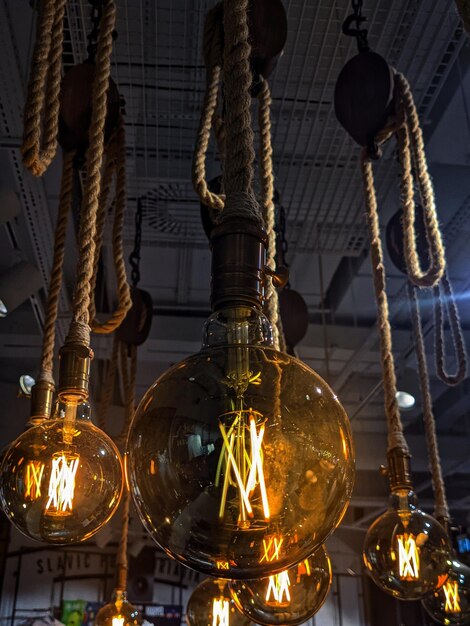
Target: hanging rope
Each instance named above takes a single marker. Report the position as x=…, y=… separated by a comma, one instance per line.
x=441, y=511
x=115, y=164
x=444, y=300
x=463, y=7
x=41, y=113
x=79, y=331
x=55, y=283
x=267, y=204
x=396, y=437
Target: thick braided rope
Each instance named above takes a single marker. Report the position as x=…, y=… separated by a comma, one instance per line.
x=108, y=387
x=239, y=150
x=79, y=329
x=55, y=283
x=208, y=112
x=411, y=152
x=41, y=113
x=124, y=294
x=441, y=510
x=463, y=7
x=444, y=300
x=267, y=203
x=396, y=437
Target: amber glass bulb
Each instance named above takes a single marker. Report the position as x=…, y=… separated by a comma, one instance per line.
x=211, y=604
x=119, y=612
x=406, y=551
x=288, y=598
x=235, y=446
x=451, y=603
x=61, y=480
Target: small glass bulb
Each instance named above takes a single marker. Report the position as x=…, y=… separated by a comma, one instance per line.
x=288, y=598
x=451, y=603
x=61, y=480
x=406, y=551
x=119, y=612
x=236, y=445
x=211, y=604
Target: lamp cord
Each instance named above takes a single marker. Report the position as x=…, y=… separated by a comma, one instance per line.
x=41, y=113
x=55, y=282
x=79, y=331
x=441, y=510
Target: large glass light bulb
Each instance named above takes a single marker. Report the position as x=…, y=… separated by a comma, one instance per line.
x=119, y=612
x=288, y=598
x=211, y=604
x=406, y=551
x=236, y=446
x=61, y=480
x=451, y=603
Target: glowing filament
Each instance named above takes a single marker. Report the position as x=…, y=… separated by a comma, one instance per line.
x=242, y=456
x=278, y=593
x=271, y=548
x=222, y=564
x=220, y=612
x=451, y=592
x=408, y=557
x=34, y=473
x=62, y=484
x=303, y=569
x=118, y=621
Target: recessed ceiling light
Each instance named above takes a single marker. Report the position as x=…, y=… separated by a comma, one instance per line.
x=405, y=400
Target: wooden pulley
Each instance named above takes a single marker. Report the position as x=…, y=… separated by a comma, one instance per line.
x=267, y=21
x=135, y=327
x=395, y=244
x=294, y=316
x=364, y=97
x=208, y=216
x=76, y=107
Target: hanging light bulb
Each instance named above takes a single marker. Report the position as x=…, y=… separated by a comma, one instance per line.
x=211, y=604
x=240, y=444
x=406, y=551
x=288, y=598
x=451, y=603
x=119, y=612
x=61, y=480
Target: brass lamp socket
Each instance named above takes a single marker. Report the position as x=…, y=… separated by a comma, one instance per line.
x=74, y=372
x=399, y=469
x=42, y=399
x=238, y=264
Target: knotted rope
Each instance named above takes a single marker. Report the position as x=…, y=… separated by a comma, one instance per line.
x=41, y=113
x=115, y=165
x=441, y=510
x=79, y=331
x=444, y=300
x=55, y=283
x=396, y=438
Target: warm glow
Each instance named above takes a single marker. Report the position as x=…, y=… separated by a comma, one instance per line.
x=222, y=564
x=408, y=557
x=242, y=458
x=62, y=483
x=118, y=621
x=303, y=569
x=451, y=592
x=278, y=593
x=271, y=548
x=220, y=612
x=33, y=478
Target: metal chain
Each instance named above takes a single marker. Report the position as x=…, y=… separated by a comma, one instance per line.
x=95, y=17
x=282, y=245
x=359, y=33
x=134, y=257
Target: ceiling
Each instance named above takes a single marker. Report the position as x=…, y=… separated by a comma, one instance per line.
x=157, y=65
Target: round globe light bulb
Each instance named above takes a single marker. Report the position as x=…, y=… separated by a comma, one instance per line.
x=211, y=604
x=240, y=458
x=406, y=551
x=119, y=612
x=61, y=480
x=288, y=598
x=451, y=603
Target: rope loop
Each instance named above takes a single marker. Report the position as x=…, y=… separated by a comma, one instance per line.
x=444, y=301
x=41, y=112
